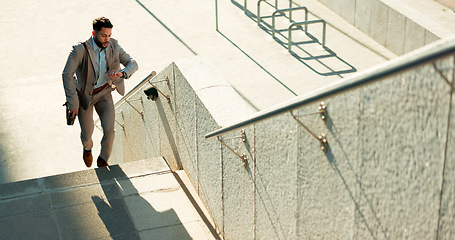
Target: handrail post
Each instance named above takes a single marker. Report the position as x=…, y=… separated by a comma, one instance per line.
x=306, y=23
x=290, y=13
x=259, y=12
x=324, y=24
x=290, y=37
x=259, y=18
x=244, y=7
x=306, y=20
x=287, y=10
x=273, y=24
x=216, y=14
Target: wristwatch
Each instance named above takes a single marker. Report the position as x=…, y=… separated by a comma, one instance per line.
x=123, y=74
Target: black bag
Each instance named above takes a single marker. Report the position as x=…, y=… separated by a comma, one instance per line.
x=69, y=119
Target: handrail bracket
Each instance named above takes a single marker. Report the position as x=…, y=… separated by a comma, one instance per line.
x=121, y=125
x=166, y=79
x=443, y=76
x=242, y=136
x=141, y=113
x=321, y=138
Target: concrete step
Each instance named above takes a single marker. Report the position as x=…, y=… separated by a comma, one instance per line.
x=135, y=200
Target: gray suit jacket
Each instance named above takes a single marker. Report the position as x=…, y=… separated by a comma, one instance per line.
x=74, y=72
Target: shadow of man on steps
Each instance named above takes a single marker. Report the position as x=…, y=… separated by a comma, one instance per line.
x=125, y=222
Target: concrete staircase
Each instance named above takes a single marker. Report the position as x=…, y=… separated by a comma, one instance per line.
x=136, y=200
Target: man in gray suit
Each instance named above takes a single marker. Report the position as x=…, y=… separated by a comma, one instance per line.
x=91, y=73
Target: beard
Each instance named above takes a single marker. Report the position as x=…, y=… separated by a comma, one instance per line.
x=101, y=44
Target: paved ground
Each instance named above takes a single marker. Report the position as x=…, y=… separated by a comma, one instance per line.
x=129, y=201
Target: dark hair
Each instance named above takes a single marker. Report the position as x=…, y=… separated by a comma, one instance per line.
x=101, y=22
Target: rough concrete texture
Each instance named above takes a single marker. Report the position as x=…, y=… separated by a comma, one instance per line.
x=209, y=164
x=395, y=173
x=214, y=98
x=137, y=137
x=326, y=181
x=276, y=155
x=165, y=110
x=239, y=186
x=184, y=108
x=447, y=211
x=388, y=154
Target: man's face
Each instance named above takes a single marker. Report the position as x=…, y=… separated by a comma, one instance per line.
x=102, y=37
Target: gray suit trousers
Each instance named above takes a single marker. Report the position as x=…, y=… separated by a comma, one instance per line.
x=104, y=106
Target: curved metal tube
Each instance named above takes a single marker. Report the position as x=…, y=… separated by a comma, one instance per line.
x=306, y=24
x=290, y=17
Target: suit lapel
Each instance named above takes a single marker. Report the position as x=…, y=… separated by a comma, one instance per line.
x=109, y=56
x=92, y=55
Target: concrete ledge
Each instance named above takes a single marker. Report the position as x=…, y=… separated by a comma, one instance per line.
x=401, y=26
x=427, y=18
x=18, y=189
x=379, y=21
x=93, y=176
x=216, y=94
x=395, y=38
x=362, y=15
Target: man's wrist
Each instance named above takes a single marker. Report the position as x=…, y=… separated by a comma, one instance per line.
x=123, y=74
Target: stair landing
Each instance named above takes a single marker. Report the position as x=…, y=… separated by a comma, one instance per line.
x=136, y=200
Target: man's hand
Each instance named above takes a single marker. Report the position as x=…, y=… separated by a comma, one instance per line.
x=114, y=74
x=73, y=113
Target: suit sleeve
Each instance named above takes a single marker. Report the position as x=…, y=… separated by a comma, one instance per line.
x=69, y=80
x=127, y=61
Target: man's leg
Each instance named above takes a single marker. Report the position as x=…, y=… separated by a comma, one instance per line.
x=86, y=122
x=105, y=109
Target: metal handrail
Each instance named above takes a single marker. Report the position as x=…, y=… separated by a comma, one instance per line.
x=133, y=91
x=290, y=19
x=306, y=29
x=430, y=53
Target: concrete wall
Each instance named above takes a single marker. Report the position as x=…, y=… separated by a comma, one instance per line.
x=200, y=101
x=389, y=171
x=392, y=23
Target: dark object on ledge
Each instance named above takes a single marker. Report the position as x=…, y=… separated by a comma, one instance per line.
x=151, y=93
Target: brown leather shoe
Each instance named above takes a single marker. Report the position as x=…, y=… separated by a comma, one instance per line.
x=88, y=158
x=101, y=163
